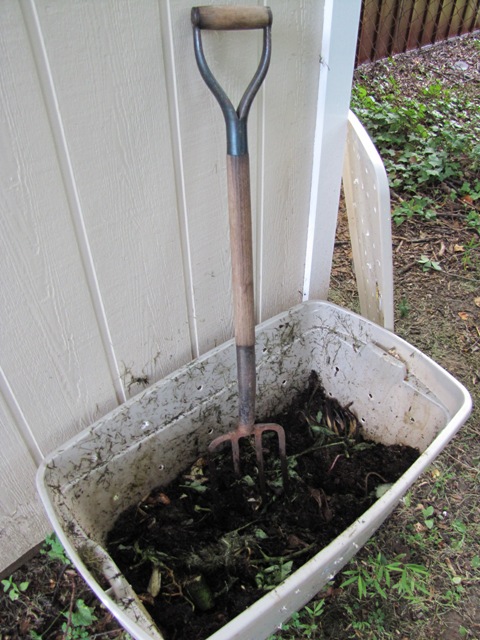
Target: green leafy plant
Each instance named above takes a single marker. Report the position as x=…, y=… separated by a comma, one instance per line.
x=373, y=622
x=272, y=575
x=77, y=621
x=428, y=519
x=53, y=549
x=417, y=205
x=13, y=589
x=473, y=221
x=403, y=308
x=76, y=625
x=428, y=265
x=429, y=145
x=378, y=576
x=303, y=623
x=471, y=253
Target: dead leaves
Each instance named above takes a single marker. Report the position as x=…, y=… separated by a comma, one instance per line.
x=472, y=328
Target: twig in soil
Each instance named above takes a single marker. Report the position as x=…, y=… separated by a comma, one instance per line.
x=463, y=464
x=418, y=240
x=317, y=447
x=373, y=473
x=59, y=580
x=459, y=275
x=321, y=499
x=286, y=557
x=407, y=267
x=70, y=612
x=334, y=463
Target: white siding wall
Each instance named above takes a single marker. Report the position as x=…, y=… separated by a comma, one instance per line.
x=114, y=260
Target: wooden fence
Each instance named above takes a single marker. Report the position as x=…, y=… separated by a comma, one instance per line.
x=388, y=27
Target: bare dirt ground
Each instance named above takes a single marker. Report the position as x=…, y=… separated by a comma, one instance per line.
x=437, y=311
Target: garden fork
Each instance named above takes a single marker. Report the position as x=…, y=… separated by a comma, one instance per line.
x=238, y=183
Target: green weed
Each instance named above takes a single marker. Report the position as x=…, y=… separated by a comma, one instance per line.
x=76, y=625
x=429, y=145
x=53, y=549
x=471, y=253
x=403, y=308
x=378, y=576
x=302, y=624
x=428, y=264
x=428, y=519
x=272, y=575
x=13, y=589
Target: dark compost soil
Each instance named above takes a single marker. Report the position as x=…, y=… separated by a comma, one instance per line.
x=199, y=556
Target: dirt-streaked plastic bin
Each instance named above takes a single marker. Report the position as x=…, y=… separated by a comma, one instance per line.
x=400, y=396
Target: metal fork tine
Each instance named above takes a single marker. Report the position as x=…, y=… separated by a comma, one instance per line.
x=236, y=454
x=261, y=428
x=260, y=465
x=257, y=431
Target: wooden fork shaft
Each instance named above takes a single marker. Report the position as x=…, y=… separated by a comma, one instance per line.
x=239, y=207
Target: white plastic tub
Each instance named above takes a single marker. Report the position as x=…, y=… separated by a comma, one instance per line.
x=399, y=394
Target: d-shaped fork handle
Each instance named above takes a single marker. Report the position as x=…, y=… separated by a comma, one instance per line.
x=230, y=18
x=233, y=18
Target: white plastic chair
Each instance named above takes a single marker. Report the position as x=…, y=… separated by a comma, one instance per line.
x=367, y=197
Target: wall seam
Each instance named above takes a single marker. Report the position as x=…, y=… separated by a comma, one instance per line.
x=35, y=35
x=23, y=428
x=260, y=193
x=178, y=163
x=317, y=148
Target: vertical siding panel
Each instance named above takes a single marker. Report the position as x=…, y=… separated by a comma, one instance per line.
x=22, y=519
x=123, y=164
x=52, y=354
x=339, y=33
x=171, y=81
x=233, y=58
x=290, y=116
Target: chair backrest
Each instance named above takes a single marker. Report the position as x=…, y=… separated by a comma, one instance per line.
x=367, y=197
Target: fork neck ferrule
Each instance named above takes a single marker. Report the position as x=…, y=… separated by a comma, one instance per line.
x=237, y=144
x=246, y=384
